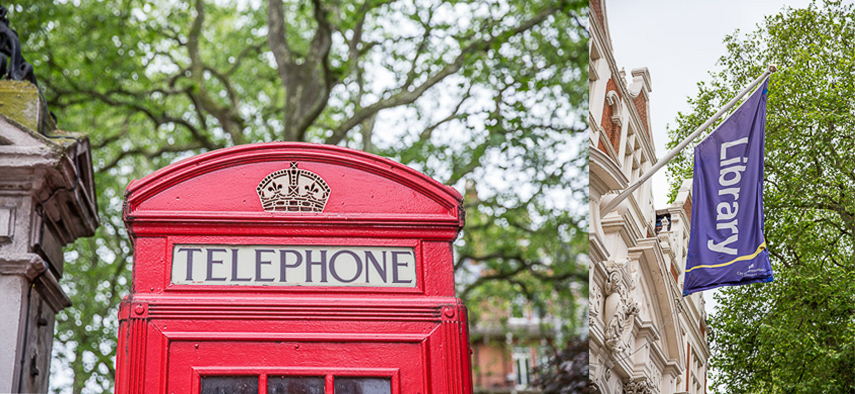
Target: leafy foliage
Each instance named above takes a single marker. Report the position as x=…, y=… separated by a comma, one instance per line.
x=566, y=371
x=489, y=94
x=797, y=334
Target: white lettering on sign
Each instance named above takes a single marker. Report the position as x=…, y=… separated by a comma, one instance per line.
x=726, y=211
x=293, y=265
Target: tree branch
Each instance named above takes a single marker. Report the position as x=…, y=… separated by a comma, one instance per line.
x=157, y=119
x=428, y=131
x=150, y=155
x=277, y=39
x=405, y=96
x=228, y=117
x=411, y=75
x=316, y=94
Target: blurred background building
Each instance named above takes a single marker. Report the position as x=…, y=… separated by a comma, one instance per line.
x=507, y=349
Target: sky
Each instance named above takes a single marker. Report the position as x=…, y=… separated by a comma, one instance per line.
x=679, y=42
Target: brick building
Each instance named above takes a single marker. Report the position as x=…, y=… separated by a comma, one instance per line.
x=504, y=356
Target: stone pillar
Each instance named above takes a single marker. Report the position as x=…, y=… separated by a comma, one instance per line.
x=47, y=200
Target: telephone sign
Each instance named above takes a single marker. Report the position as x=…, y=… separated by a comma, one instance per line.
x=283, y=265
x=292, y=268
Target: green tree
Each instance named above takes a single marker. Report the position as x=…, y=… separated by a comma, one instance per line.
x=796, y=334
x=486, y=93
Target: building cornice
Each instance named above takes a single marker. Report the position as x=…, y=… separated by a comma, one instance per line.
x=606, y=175
x=598, y=34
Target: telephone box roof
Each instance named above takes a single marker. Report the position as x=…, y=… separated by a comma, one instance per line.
x=226, y=185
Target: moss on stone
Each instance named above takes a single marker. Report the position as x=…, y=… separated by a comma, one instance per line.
x=21, y=101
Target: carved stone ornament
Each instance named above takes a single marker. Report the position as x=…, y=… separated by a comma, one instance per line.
x=293, y=190
x=620, y=310
x=593, y=378
x=639, y=386
x=666, y=224
x=613, y=100
x=596, y=297
x=657, y=378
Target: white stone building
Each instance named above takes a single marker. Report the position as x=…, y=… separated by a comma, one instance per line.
x=644, y=336
x=47, y=200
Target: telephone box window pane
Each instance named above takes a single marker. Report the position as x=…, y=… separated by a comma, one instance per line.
x=295, y=385
x=229, y=385
x=363, y=385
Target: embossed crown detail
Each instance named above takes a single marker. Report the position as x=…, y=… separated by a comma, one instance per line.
x=293, y=190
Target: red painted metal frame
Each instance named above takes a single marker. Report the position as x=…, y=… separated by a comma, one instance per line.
x=172, y=334
x=393, y=374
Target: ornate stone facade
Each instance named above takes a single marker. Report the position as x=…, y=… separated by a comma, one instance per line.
x=644, y=336
x=620, y=309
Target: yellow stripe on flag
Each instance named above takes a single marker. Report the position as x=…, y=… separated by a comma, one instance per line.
x=740, y=258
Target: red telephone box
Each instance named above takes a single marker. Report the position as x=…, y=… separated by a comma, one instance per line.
x=292, y=268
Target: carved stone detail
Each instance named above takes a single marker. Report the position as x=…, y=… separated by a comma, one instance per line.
x=613, y=100
x=657, y=378
x=620, y=310
x=596, y=300
x=639, y=386
x=666, y=224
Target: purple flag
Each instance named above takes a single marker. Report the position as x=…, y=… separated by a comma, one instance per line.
x=726, y=243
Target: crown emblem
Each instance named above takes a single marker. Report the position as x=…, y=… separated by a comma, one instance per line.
x=293, y=190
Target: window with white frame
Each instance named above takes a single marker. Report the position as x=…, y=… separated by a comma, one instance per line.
x=522, y=366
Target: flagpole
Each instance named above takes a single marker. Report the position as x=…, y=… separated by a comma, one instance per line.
x=670, y=155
